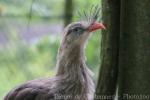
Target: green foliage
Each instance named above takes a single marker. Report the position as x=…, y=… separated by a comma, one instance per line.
x=21, y=61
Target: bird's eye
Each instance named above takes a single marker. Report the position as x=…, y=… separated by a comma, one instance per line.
x=78, y=30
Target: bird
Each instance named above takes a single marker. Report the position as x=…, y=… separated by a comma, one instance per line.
x=73, y=79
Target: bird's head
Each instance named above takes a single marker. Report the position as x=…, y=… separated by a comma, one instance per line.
x=76, y=34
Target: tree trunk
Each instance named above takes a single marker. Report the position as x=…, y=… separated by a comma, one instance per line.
x=107, y=81
x=68, y=12
x=134, y=64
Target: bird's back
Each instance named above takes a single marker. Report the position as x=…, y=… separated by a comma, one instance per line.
x=39, y=89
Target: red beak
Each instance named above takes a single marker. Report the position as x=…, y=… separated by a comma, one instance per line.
x=94, y=26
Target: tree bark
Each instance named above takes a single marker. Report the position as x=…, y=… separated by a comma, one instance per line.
x=107, y=82
x=134, y=56
x=68, y=12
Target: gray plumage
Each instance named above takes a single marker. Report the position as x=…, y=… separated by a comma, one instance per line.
x=73, y=79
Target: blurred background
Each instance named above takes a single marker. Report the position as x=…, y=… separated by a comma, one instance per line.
x=30, y=33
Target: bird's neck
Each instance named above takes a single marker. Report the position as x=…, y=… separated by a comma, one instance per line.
x=70, y=62
x=72, y=70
